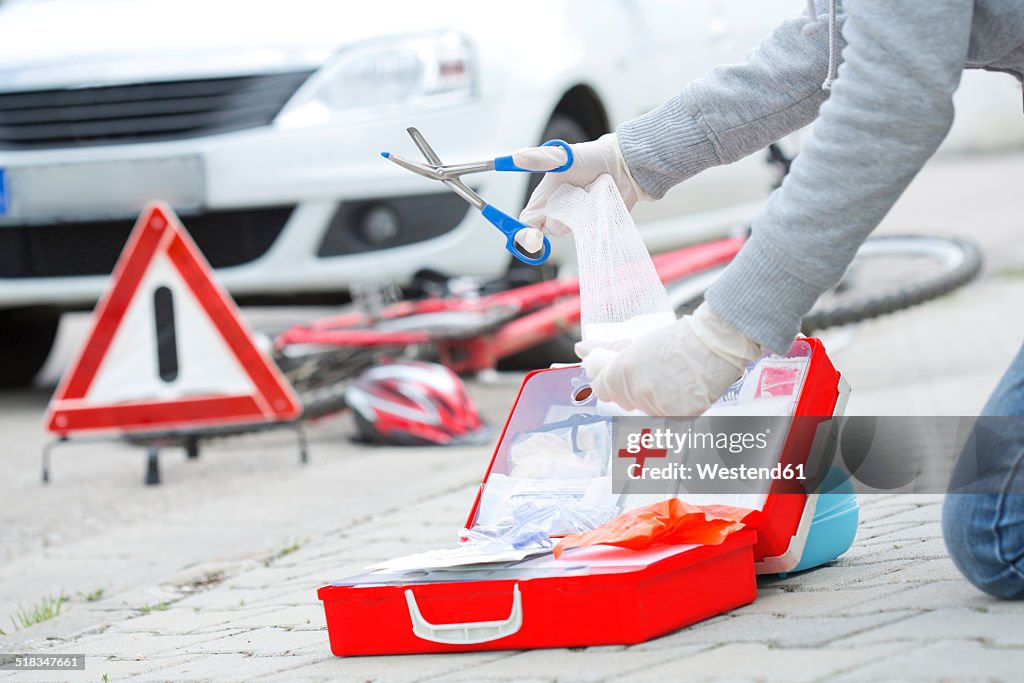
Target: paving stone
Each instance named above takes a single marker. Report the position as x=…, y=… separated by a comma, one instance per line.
x=219, y=667
x=306, y=617
x=996, y=628
x=180, y=620
x=340, y=561
x=919, y=512
x=740, y=661
x=265, y=642
x=914, y=532
x=903, y=551
x=95, y=669
x=880, y=512
x=266, y=577
x=774, y=629
x=938, y=595
x=130, y=646
x=354, y=559
x=842, y=574
x=245, y=598
x=941, y=569
x=898, y=534
x=956, y=660
x=400, y=669
x=78, y=622
x=878, y=533
x=567, y=666
x=794, y=603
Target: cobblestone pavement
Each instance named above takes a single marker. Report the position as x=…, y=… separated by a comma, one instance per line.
x=213, y=575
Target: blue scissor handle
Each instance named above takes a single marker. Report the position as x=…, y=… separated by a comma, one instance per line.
x=509, y=227
x=506, y=163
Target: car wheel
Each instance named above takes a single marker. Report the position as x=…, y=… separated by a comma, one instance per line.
x=559, y=349
x=26, y=337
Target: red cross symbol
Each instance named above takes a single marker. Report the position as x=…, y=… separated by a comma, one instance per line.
x=644, y=453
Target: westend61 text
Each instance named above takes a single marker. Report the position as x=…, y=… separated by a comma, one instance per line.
x=716, y=472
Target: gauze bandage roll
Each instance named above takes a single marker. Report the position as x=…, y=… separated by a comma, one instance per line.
x=621, y=296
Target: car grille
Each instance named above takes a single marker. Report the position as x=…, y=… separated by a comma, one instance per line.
x=141, y=112
x=226, y=238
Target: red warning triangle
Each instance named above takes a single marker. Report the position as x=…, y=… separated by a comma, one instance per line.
x=168, y=347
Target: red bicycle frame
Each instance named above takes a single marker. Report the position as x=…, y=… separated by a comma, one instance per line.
x=537, y=313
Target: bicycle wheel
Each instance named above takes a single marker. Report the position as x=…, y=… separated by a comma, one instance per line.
x=687, y=294
x=888, y=274
x=894, y=272
x=320, y=375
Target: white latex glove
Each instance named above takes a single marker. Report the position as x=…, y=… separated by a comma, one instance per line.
x=678, y=370
x=590, y=159
x=530, y=239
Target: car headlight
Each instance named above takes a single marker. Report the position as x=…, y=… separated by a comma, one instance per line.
x=430, y=68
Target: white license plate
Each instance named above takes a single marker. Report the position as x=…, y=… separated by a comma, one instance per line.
x=99, y=190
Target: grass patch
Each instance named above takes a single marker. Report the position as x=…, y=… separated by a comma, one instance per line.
x=93, y=596
x=158, y=607
x=289, y=548
x=1010, y=274
x=44, y=610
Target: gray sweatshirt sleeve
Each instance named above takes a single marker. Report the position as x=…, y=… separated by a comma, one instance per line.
x=734, y=111
x=888, y=111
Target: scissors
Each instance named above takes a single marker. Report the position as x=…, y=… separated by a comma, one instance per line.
x=451, y=176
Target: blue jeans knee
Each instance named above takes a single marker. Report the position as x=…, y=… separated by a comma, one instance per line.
x=984, y=534
x=983, y=523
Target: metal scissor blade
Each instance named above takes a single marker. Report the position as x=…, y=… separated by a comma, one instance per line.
x=417, y=168
x=436, y=171
x=461, y=189
x=454, y=184
x=424, y=146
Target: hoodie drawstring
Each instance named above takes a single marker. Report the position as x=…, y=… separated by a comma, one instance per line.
x=833, y=38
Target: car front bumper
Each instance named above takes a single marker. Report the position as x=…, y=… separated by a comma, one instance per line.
x=321, y=177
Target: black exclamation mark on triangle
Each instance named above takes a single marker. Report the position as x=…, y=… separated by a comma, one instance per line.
x=166, y=336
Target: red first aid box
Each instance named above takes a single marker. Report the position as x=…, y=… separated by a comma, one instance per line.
x=602, y=595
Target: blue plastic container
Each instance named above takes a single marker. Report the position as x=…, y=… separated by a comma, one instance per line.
x=834, y=524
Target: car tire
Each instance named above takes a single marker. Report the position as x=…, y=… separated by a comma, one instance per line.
x=558, y=349
x=26, y=338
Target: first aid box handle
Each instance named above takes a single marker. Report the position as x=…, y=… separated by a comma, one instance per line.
x=469, y=632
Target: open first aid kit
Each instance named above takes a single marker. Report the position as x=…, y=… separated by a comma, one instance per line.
x=550, y=475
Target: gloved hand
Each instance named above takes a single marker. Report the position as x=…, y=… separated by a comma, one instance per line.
x=678, y=370
x=590, y=159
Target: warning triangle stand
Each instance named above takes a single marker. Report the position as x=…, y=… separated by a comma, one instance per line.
x=168, y=354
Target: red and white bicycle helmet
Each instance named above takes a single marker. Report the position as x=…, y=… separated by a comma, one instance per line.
x=414, y=403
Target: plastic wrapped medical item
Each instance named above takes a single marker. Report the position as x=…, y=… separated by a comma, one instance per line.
x=574, y=451
x=779, y=377
x=769, y=386
x=578, y=504
x=551, y=476
x=669, y=521
x=526, y=527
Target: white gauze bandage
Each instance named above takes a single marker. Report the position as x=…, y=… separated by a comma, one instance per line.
x=621, y=296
